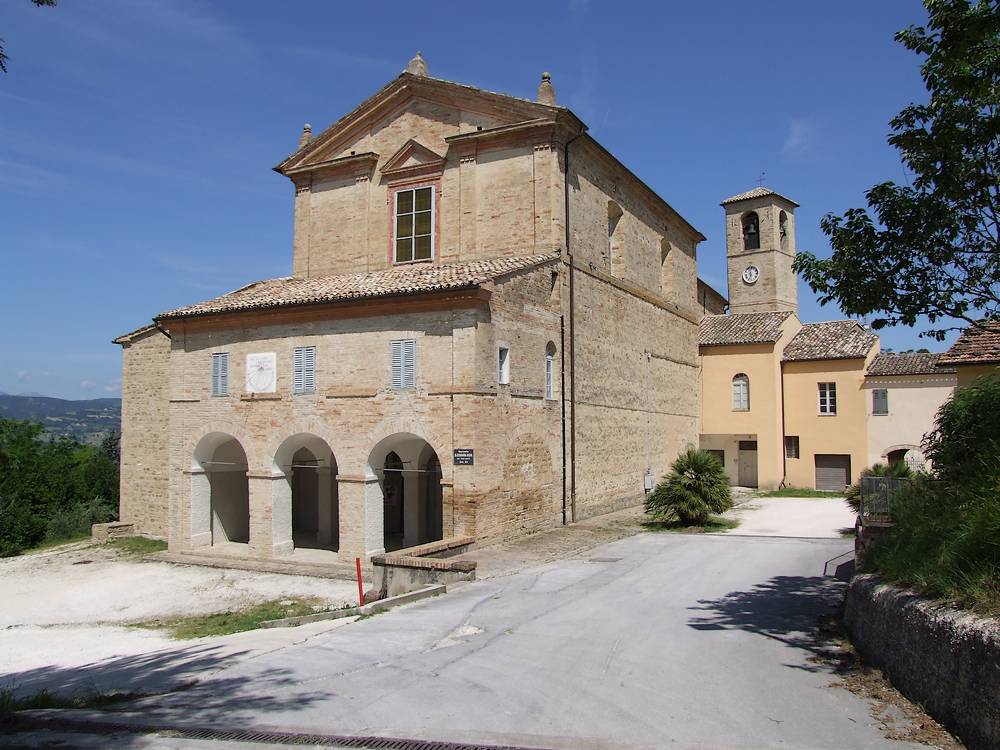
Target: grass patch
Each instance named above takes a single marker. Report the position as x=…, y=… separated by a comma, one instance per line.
x=9, y=702
x=715, y=524
x=224, y=623
x=800, y=492
x=52, y=543
x=137, y=545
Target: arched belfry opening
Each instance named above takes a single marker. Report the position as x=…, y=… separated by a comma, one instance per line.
x=751, y=231
x=409, y=474
x=306, y=508
x=220, y=492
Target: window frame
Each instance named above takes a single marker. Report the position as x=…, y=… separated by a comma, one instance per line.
x=407, y=380
x=550, y=376
x=885, y=401
x=308, y=373
x=741, y=377
x=394, y=216
x=827, y=399
x=503, y=363
x=792, y=442
x=220, y=375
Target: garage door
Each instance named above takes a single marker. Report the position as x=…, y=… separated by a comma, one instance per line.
x=833, y=472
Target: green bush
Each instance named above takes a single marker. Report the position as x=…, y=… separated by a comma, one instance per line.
x=696, y=487
x=946, y=537
x=898, y=470
x=77, y=520
x=20, y=526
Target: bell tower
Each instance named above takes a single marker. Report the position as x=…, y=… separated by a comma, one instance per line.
x=760, y=248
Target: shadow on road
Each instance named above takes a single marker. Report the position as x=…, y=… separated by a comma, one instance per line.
x=799, y=611
x=157, y=674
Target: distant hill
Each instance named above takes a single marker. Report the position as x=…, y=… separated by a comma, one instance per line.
x=88, y=421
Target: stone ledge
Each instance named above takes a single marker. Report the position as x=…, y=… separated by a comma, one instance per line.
x=944, y=659
x=102, y=532
x=433, y=548
x=369, y=609
x=339, y=571
x=424, y=563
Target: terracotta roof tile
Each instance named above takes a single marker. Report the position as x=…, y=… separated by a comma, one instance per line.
x=921, y=363
x=757, y=192
x=741, y=328
x=396, y=281
x=975, y=346
x=838, y=339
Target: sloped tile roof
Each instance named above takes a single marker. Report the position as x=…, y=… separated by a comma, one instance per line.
x=975, y=346
x=889, y=363
x=757, y=192
x=838, y=339
x=396, y=281
x=741, y=328
x=126, y=338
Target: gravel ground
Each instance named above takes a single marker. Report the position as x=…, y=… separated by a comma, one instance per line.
x=73, y=605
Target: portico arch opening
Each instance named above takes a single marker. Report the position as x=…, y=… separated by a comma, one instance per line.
x=409, y=474
x=220, y=493
x=306, y=509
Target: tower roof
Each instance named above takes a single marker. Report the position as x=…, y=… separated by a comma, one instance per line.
x=757, y=192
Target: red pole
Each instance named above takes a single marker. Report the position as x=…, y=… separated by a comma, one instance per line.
x=361, y=587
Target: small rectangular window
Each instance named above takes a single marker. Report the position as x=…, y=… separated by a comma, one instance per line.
x=880, y=401
x=549, y=385
x=503, y=365
x=402, y=364
x=791, y=446
x=827, y=398
x=413, y=228
x=220, y=374
x=304, y=370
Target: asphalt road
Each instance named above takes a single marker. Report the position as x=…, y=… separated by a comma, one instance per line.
x=655, y=641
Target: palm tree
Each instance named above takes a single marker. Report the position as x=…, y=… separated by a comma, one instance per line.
x=696, y=487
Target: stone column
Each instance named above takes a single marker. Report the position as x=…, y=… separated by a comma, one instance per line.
x=324, y=499
x=201, y=509
x=279, y=504
x=262, y=486
x=361, y=531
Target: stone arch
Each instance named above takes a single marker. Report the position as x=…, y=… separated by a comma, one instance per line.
x=912, y=454
x=219, y=491
x=411, y=503
x=750, y=226
x=305, y=507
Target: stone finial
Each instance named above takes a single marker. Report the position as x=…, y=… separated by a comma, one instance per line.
x=546, y=93
x=307, y=135
x=417, y=66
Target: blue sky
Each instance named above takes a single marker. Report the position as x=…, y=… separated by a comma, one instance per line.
x=137, y=136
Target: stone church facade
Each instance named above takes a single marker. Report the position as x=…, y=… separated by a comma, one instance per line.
x=491, y=328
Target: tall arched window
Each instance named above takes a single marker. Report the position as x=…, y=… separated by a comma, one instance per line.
x=550, y=371
x=783, y=229
x=614, y=216
x=751, y=231
x=666, y=269
x=741, y=392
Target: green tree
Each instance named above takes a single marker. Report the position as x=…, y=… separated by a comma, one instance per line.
x=3, y=54
x=933, y=247
x=695, y=488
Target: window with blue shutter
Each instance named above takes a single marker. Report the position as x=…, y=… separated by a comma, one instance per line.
x=402, y=364
x=304, y=370
x=880, y=401
x=220, y=374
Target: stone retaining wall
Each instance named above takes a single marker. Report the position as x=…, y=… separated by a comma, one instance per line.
x=947, y=660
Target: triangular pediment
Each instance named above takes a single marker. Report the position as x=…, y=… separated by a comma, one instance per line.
x=411, y=159
x=397, y=95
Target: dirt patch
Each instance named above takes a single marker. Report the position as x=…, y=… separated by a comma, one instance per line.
x=899, y=718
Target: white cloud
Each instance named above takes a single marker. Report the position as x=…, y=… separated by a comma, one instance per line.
x=23, y=376
x=88, y=385
x=113, y=386
x=800, y=137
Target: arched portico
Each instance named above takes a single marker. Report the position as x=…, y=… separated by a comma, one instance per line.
x=409, y=477
x=220, y=493
x=305, y=511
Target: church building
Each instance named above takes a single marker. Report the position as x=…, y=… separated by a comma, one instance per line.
x=490, y=327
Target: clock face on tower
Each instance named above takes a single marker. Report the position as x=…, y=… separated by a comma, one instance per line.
x=751, y=274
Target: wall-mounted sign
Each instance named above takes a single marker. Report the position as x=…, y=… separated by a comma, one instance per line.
x=464, y=457
x=261, y=373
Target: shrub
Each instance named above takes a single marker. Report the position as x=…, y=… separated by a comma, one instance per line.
x=946, y=537
x=898, y=470
x=696, y=487
x=20, y=526
x=77, y=519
